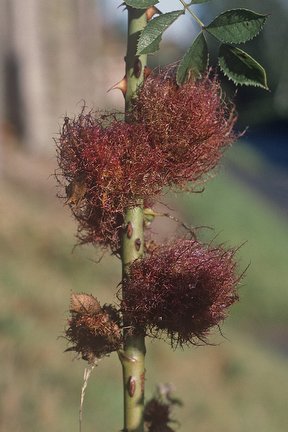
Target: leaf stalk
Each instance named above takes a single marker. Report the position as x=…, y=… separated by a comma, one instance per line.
x=187, y=7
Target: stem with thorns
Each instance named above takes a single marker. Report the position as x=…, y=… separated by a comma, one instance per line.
x=133, y=355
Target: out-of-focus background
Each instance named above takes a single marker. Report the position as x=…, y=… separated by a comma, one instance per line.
x=55, y=56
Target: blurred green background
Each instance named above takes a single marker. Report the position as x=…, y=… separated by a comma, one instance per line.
x=53, y=56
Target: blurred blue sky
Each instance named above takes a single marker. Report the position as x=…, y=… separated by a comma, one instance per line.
x=182, y=30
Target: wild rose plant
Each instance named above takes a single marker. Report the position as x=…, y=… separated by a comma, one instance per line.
x=113, y=169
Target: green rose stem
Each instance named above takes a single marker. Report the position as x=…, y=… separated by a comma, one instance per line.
x=133, y=355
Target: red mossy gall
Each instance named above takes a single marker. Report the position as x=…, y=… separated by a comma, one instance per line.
x=175, y=135
x=191, y=124
x=106, y=168
x=157, y=416
x=93, y=331
x=182, y=290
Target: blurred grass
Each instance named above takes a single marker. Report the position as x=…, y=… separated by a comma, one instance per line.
x=240, y=384
x=239, y=216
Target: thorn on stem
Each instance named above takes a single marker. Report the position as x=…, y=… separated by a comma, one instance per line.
x=137, y=69
x=138, y=244
x=129, y=230
x=131, y=386
x=151, y=11
x=122, y=5
x=125, y=358
x=121, y=85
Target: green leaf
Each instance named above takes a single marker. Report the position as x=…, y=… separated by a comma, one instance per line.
x=195, y=60
x=141, y=4
x=154, y=46
x=236, y=25
x=241, y=68
x=151, y=35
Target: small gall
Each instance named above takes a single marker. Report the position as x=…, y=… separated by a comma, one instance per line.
x=84, y=303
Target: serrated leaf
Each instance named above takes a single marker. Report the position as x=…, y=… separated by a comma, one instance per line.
x=236, y=25
x=151, y=35
x=195, y=60
x=141, y=4
x=241, y=68
x=153, y=47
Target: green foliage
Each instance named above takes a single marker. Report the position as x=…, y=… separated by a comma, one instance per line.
x=233, y=26
x=141, y=4
x=236, y=25
x=151, y=36
x=241, y=68
x=194, y=61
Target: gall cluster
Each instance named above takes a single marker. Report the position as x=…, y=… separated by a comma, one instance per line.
x=93, y=331
x=178, y=292
x=191, y=124
x=108, y=168
x=157, y=410
x=176, y=134
x=157, y=416
x=181, y=290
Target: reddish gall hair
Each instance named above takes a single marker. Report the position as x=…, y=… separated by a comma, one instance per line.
x=106, y=169
x=175, y=135
x=157, y=416
x=182, y=289
x=93, y=331
x=191, y=124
